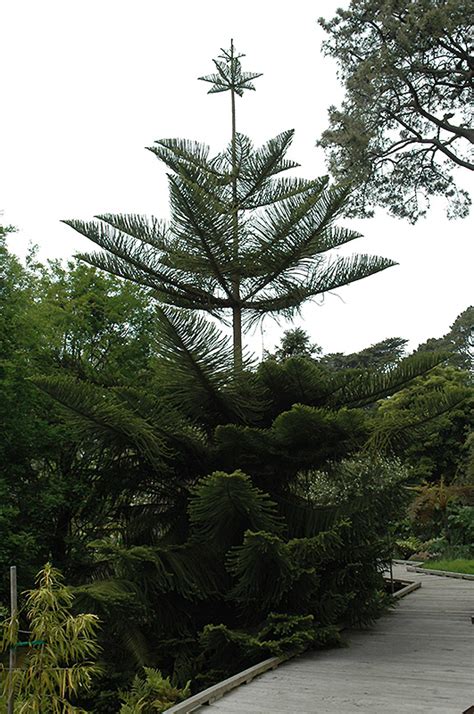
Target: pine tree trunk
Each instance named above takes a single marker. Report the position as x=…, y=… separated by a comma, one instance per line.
x=237, y=309
x=237, y=338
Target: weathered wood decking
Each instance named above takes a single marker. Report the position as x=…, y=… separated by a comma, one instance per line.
x=418, y=658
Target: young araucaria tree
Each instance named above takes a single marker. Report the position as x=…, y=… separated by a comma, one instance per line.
x=242, y=241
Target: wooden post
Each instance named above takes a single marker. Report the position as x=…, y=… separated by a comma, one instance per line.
x=12, y=663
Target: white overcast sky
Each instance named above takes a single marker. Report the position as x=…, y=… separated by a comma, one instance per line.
x=87, y=84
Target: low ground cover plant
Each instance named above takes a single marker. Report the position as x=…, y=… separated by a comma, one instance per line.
x=458, y=565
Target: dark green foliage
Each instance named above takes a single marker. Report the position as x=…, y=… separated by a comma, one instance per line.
x=225, y=649
x=278, y=453
x=295, y=381
x=4, y=230
x=196, y=369
x=460, y=525
x=104, y=414
x=458, y=342
x=381, y=356
x=223, y=506
x=231, y=596
x=435, y=447
x=304, y=381
x=193, y=574
x=263, y=573
x=406, y=119
x=253, y=545
x=94, y=328
x=338, y=431
x=371, y=495
x=361, y=388
x=296, y=343
x=154, y=693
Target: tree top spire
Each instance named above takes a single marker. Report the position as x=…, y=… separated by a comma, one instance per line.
x=229, y=74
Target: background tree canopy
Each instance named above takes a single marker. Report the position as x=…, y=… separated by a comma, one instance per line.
x=86, y=325
x=406, y=121
x=458, y=342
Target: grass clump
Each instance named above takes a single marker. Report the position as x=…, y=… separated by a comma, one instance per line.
x=459, y=565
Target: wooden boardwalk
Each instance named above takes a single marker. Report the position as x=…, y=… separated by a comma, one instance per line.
x=417, y=658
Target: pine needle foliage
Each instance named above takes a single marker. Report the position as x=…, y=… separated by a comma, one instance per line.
x=280, y=635
x=263, y=572
x=232, y=595
x=242, y=242
x=196, y=368
x=104, y=414
x=223, y=506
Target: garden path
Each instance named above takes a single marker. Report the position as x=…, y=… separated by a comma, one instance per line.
x=417, y=658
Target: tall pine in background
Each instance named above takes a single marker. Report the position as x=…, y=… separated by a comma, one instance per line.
x=242, y=241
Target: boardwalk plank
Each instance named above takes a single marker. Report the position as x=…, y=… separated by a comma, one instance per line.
x=417, y=658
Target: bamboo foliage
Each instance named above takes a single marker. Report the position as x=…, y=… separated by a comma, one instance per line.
x=60, y=662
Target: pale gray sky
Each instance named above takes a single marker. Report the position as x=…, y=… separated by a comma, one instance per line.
x=86, y=84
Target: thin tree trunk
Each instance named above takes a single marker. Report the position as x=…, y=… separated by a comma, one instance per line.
x=237, y=309
x=237, y=335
